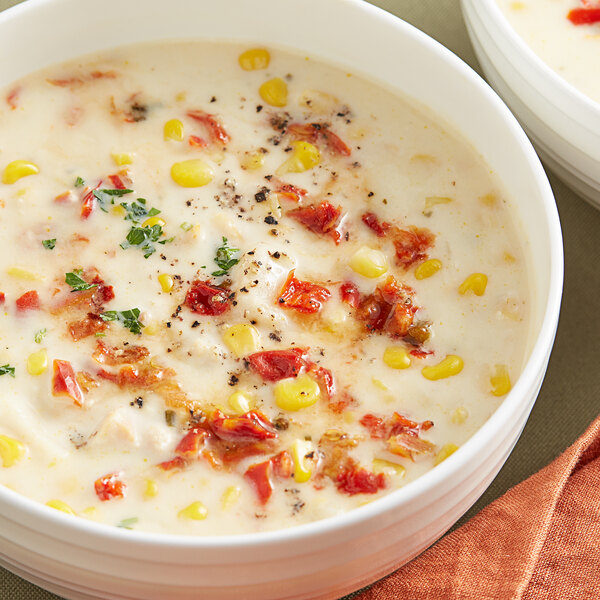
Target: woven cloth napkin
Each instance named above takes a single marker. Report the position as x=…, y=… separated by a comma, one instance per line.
x=539, y=541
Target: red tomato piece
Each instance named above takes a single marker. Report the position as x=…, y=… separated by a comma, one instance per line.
x=110, y=487
x=321, y=218
x=28, y=301
x=206, y=299
x=259, y=476
x=289, y=191
x=412, y=244
x=64, y=382
x=273, y=365
x=197, y=142
x=2, y=298
x=249, y=427
x=324, y=378
x=215, y=129
x=584, y=16
x=90, y=325
x=12, y=98
x=350, y=294
x=302, y=296
x=360, y=481
x=380, y=229
x=192, y=443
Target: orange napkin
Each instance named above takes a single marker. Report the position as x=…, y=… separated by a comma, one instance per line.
x=540, y=541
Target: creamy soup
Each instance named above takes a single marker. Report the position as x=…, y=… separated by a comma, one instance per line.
x=565, y=34
x=242, y=290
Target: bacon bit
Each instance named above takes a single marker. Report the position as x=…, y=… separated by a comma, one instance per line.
x=321, y=218
x=584, y=16
x=110, y=487
x=371, y=220
x=380, y=429
x=119, y=356
x=418, y=353
x=360, y=481
x=313, y=132
x=63, y=198
x=274, y=365
x=197, y=142
x=411, y=245
x=206, y=299
x=350, y=294
x=12, y=98
x=249, y=427
x=86, y=382
x=192, y=443
x=259, y=476
x=2, y=298
x=377, y=427
x=90, y=325
x=28, y=301
x=104, y=75
x=175, y=463
x=283, y=465
x=64, y=382
x=117, y=182
x=289, y=191
x=407, y=445
x=77, y=238
x=303, y=296
x=215, y=129
x=341, y=403
x=66, y=82
x=144, y=376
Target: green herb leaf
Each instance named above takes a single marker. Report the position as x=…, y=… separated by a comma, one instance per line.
x=224, y=259
x=128, y=318
x=49, y=244
x=128, y=523
x=107, y=197
x=78, y=284
x=186, y=226
x=144, y=238
x=137, y=211
x=7, y=369
x=79, y=182
x=39, y=335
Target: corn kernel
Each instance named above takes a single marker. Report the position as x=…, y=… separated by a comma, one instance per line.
x=428, y=268
x=253, y=161
x=166, y=282
x=60, y=505
x=460, y=415
x=37, y=362
x=241, y=339
x=302, y=466
x=432, y=201
x=19, y=273
x=195, y=511
x=152, y=221
x=295, y=394
x=369, y=262
x=174, y=130
x=119, y=211
x=500, y=381
x=122, y=159
x=396, y=357
x=379, y=384
x=230, y=496
x=254, y=59
x=191, y=173
x=91, y=512
x=450, y=366
x=444, y=453
x=274, y=92
x=476, y=283
x=388, y=468
x=151, y=489
x=152, y=328
x=240, y=402
x=11, y=451
x=304, y=156
x=18, y=169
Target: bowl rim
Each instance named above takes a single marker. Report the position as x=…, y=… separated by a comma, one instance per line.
x=493, y=428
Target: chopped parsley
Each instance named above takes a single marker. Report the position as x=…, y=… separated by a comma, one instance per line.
x=49, y=244
x=186, y=226
x=7, y=369
x=128, y=523
x=39, y=335
x=144, y=238
x=78, y=284
x=107, y=197
x=79, y=182
x=224, y=259
x=137, y=211
x=128, y=318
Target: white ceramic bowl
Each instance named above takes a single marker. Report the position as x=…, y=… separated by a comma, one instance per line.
x=562, y=122
x=79, y=559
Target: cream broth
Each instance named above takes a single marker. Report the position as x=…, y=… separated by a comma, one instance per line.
x=355, y=236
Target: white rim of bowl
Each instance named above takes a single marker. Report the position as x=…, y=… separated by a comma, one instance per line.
x=493, y=428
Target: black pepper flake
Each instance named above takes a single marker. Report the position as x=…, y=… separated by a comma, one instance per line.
x=244, y=289
x=276, y=254
x=268, y=177
x=281, y=423
x=370, y=194
x=253, y=322
x=261, y=195
x=177, y=311
x=271, y=220
x=188, y=202
x=139, y=402
x=169, y=324
x=259, y=108
x=196, y=324
x=274, y=336
x=213, y=99
x=233, y=380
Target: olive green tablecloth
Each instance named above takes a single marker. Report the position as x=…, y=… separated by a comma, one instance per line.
x=569, y=399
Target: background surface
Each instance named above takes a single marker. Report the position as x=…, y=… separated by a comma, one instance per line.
x=570, y=396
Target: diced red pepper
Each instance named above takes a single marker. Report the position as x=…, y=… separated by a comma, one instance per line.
x=128, y=355
x=273, y=365
x=117, y=182
x=206, y=299
x=380, y=229
x=249, y=427
x=360, y=481
x=110, y=487
x=88, y=201
x=291, y=192
x=63, y=198
x=197, y=142
x=302, y=296
x=215, y=129
x=12, y=98
x=259, y=475
x=2, y=298
x=418, y=353
x=350, y=294
x=28, y=301
x=90, y=325
x=321, y=218
x=192, y=443
x=64, y=382
x=584, y=16
x=412, y=244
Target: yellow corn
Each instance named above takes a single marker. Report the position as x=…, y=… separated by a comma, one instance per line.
x=11, y=451
x=254, y=59
x=296, y=393
x=37, y=362
x=151, y=489
x=19, y=273
x=460, y=415
x=304, y=156
x=379, y=384
x=274, y=92
x=230, y=496
x=152, y=221
x=119, y=211
x=368, y=262
x=388, y=468
x=166, y=282
x=191, y=173
x=302, y=466
x=18, y=169
x=444, y=453
x=432, y=201
x=195, y=511
x=396, y=357
x=241, y=339
x=428, y=268
x=476, y=283
x=152, y=328
x=122, y=159
x=240, y=402
x=489, y=200
x=253, y=161
x=91, y=512
x=500, y=381
x=174, y=130
x=60, y=505
x=450, y=366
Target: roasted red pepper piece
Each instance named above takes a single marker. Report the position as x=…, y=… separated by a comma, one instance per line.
x=215, y=129
x=117, y=182
x=206, y=299
x=110, y=487
x=289, y=191
x=380, y=229
x=360, y=481
x=302, y=296
x=273, y=365
x=64, y=382
x=412, y=244
x=28, y=301
x=175, y=463
x=584, y=16
x=88, y=201
x=350, y=294
x=324, y=377
x=322, y=219
x=197, y=142
x=192, y=443
x=249, y=427
x=2, y=298
x=259, y=475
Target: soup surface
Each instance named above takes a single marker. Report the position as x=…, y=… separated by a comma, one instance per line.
x=565, y=34
x=242, y=290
